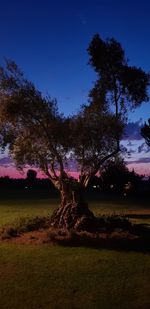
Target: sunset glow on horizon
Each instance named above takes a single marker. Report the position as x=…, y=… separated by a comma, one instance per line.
x=12, y=172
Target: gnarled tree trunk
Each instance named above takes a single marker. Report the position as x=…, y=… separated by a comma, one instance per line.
x=73, y=212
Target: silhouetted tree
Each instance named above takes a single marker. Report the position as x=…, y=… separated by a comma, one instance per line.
x=122, y=85
x=37, y=134
x=31, y=175
x=145, y=131
x=116, y=176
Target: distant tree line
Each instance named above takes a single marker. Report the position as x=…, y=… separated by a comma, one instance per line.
x=117, y=179
x=29, y=186
x=114, y=179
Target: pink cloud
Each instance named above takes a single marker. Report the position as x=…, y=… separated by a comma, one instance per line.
x=140, y=168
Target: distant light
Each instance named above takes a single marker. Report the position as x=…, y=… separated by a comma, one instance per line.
x=127, y=186
x=94, y=186
x=111, y=186
x=26, y=188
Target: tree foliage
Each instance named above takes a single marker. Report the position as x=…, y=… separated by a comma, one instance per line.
x=125, y=86
x=31, y=175
x=37, y=134
x=116, y=176
x=145, y=131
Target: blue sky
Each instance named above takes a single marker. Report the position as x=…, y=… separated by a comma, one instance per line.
x=49, y=41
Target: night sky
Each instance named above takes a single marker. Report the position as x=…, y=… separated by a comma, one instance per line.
x=49, y=40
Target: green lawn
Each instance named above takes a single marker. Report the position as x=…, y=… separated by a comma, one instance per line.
x=46, y=276
x=12, y=209
x=55, y=277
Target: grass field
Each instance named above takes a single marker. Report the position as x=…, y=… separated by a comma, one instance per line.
x=12, y=209
x=46, y=276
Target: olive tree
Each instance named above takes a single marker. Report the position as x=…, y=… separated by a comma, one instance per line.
x=38, y=135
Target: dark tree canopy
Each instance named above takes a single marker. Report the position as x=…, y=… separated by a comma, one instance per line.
x=115, y=176
x=125, y=85
x=31, y=175
x=145, y=131
x=38, y=135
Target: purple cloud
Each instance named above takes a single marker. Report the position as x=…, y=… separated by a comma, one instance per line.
x=5, y=161
x=143, y=148
x=140, y=160
x=133, y=131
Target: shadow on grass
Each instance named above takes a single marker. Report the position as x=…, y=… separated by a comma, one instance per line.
x=137, y=239
x=138, y=216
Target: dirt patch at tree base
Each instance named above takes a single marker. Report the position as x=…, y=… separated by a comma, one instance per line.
x=73, y=238
x=112, y=232
x=33, y=237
